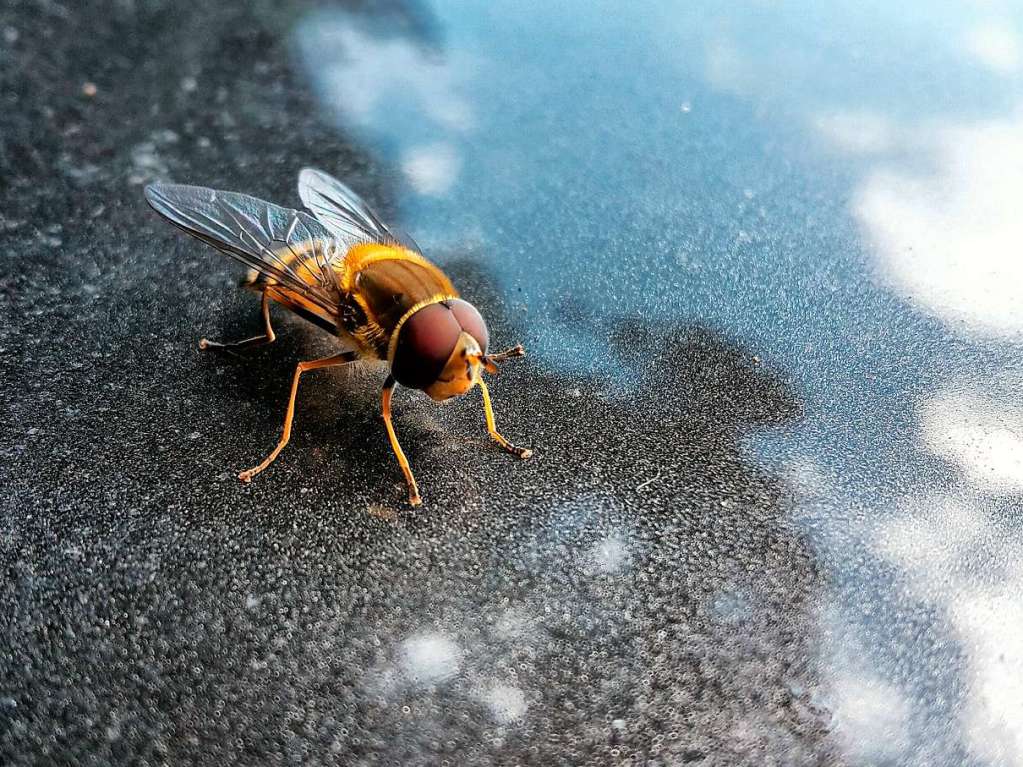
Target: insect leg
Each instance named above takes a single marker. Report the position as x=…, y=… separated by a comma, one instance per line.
x=267, y=337
x=521, y=452
x=327, y=362
x=385, y=399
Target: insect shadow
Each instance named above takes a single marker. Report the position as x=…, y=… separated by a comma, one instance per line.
x=641, y=516
x=338, y=434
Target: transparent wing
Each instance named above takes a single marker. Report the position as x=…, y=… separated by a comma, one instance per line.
x=344, y=212
x=288, y=246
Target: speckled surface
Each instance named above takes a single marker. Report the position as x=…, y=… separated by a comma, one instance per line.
x=773, y=391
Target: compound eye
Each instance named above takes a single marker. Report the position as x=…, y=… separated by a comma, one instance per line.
x=471, y=322
x=425, y=343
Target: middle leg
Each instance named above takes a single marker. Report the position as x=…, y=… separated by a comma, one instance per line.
x=385, y=398
x=327, y=362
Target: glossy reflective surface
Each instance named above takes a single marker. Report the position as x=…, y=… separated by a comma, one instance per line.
x=766, y=261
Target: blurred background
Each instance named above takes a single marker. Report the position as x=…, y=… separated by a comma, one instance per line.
x=765, y=258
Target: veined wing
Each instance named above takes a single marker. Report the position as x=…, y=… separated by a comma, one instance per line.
x=345, y=213
x=290, y=248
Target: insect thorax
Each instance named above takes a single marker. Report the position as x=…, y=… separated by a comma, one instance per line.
x=382, y=284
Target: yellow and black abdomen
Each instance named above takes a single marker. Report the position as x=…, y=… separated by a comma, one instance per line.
x=383, y=286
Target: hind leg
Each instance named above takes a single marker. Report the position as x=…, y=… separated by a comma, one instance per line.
x=267, y=337
x=343, y=358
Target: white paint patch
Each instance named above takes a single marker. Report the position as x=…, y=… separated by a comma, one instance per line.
x=146, y=158
x=992, y=627
x=430, y=658
x=872, y=718
x=950, y=240
x=936, y=542
x=611, y=555
x=506, y=703
x=981, y=434
x=995, y=44
x=432, y=169
x=379, y=82
x=929, y=532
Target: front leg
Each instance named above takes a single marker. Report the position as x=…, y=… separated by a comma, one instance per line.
x=521, y=452
x=385, y=401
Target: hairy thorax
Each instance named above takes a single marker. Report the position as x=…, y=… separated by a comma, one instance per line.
x=382, y=285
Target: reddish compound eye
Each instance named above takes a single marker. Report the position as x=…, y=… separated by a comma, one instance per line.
x=471, y=322
x=425, y=342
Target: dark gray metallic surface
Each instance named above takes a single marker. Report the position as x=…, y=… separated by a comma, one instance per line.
x=766, y=263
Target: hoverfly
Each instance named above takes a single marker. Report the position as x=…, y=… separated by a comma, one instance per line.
x=347, y=273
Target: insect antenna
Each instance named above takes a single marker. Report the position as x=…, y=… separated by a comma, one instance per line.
x=489, y=361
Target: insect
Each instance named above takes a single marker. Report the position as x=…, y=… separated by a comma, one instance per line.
x=347, y=273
